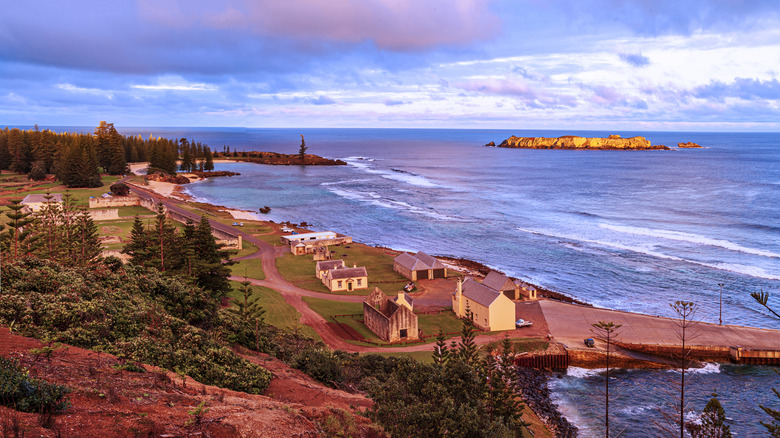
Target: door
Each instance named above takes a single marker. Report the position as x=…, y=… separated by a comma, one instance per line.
x=349, y=285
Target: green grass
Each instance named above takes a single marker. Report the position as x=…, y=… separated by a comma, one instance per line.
x=271, y=239
x=133, y=210
x=379, y=264
x=445, y=321
x=251, y=268
x=328, y=308
x=278, y=312
x=246, y=249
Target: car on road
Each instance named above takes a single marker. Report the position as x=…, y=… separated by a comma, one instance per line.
x=523, y=323
x=589, y=342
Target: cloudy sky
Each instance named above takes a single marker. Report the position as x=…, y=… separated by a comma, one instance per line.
x=548, y=64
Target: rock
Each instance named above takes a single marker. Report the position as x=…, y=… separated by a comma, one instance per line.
x=689, y=144
x=575, y=142
x=491, y=144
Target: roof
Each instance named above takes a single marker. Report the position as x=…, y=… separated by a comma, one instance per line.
x=311, y=236
x=479, y=293
x=327, y=265
x=347, y=273
x=418, y=262
x=406, y=296
x=31, y=199
x=497, y=281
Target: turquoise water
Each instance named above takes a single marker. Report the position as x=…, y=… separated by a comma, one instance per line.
x=631, y=230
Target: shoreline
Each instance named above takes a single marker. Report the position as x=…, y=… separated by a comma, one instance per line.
x=465, y=266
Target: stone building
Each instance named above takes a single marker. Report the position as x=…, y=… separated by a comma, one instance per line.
x=34, y=203
x=309, y=243
x=391, y=319
x=420, y=266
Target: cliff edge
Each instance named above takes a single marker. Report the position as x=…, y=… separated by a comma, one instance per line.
x=575, y=142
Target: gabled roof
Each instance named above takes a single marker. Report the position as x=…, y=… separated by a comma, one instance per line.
x=327, y=265
x=406, y=296
x=30, y=199
x=479, y=293
x=342, y=273
x=418, y=262
x=432, y=262
x=498, y=282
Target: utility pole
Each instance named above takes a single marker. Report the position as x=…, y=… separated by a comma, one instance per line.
x=720, y=312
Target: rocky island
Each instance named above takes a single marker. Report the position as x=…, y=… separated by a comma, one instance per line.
x=688, y=145
x=575, y=142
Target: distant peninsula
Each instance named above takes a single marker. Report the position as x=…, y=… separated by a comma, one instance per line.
x=613, y=142
x=278, y=159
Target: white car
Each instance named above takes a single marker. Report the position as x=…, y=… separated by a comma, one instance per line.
x=523, y=323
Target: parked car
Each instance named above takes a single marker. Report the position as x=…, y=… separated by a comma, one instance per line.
x=523, y=323
x=589, y=342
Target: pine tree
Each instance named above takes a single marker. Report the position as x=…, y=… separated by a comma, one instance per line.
x=440, y=352
x=467, y=350
x=116, y=163
x=713, y=422
x=302, y=150
x=50, y=224
x=37, y=171
x=138, y=246
x=210, y=272
x=87, y=244
x=186, y=156
x=163, y=237
x=209, y=165
x=20, y=239
x=608, y=332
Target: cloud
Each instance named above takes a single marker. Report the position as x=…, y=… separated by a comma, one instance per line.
x=635, y=59
x=322, y=100
x=392, y=102
x=741, y=88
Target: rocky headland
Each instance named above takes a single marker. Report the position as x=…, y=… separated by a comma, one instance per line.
x=689, y=144
x=278, y=159
x=613, y=142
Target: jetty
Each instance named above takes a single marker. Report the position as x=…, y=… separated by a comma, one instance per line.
x=645, y=340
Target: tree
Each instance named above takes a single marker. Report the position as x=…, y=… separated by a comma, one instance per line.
x=209, y=165
x=608, y=332
x=211, y=271
x=186, y=156
x=440, y=352
x=249, y=310
x=713, y=422
x=19, y=239
x=467, y=349
x=773, y=427
x=686, y=312
x=302, y=150
x=763, y=299
x=138, y=246
x=38, y=171
x=119, y=189
x=87, y=244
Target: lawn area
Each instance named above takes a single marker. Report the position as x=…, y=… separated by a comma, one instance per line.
x=271, y=239
x=379, y=264
x=246, y=249
x=81, y=196
x=445, y=321
x=251, y=268
x=277, y=312
x=133, y=210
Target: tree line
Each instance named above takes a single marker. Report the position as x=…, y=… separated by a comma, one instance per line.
x=77, y=159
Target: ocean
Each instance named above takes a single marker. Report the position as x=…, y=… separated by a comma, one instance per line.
x=629, y=230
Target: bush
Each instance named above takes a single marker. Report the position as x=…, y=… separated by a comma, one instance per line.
x=322, y=365
x=119, y=189
x=20, y=391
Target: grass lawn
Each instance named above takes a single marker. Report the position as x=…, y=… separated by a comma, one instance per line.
x=251, y=268
x=133, y=210
x=277, y=312
x=246, y=249
x=271, y=239
x=446, y=322
x=300, y=269
x=328, y=308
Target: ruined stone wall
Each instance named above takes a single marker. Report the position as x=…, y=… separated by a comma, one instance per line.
x=114, y=201
x=376, y=321
x=104, y=215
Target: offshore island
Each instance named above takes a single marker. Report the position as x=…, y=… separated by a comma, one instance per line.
x=613, y=142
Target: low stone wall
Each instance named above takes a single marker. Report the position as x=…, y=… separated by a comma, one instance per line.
x=697, y=352
x=114, y=201
x=104, y=215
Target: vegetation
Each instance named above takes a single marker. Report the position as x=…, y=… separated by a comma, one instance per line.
x=608, y=332
x=713, y=422
x=20, y=391
x=133, y=312
x=302, y=149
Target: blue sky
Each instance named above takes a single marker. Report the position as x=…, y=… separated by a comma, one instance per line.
x=684, y=65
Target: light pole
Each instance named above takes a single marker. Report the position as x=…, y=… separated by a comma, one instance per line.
x=720, y=312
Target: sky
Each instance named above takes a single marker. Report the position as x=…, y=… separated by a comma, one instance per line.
x=661, y=65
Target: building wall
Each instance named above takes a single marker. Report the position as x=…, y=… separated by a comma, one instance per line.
x=479, y=313
x=376, y=321
x=114, y=201
x=404, y=271
x=389, y=329
x=333, y=284
x=104, y=215
x=502, y=314
x=402, y=319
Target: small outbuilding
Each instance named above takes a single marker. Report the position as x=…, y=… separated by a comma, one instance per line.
x=346, y=279
x=420, y=266
x=310, y=243
x=503, y=284
x=490, y=309
x=391, y=319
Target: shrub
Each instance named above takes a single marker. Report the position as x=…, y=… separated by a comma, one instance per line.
x=119, y=189
x=20, y=391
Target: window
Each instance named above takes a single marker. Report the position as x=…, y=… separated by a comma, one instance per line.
x=360, y=281
x=339, y=284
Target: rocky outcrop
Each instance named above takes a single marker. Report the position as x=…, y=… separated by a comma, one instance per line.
x=491, y=144
x=274, y=158
x=689, y=144
x=575, y=142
